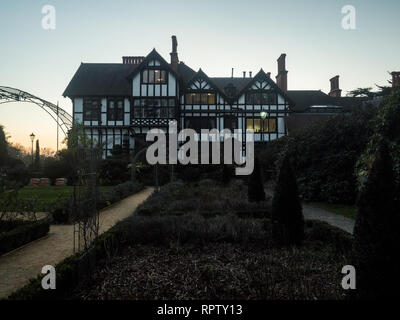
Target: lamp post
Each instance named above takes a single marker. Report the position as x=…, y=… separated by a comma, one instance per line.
x=263, y=115
x=32, y=136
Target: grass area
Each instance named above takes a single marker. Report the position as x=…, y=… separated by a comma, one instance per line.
x=47, y=197
x=348, y=211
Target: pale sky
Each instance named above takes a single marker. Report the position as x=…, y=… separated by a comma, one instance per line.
x=214, y=35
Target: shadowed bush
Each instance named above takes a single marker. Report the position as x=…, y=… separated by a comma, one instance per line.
x=288, y=228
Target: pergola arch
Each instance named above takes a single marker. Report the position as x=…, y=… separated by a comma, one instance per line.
x=59, y=115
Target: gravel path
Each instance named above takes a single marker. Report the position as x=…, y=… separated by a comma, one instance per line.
x=312, y=212
x=20, y=265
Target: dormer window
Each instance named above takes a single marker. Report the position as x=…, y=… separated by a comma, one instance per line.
x=154, y=76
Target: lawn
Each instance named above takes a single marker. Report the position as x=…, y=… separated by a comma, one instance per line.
x=348, y=211
x=47, y=197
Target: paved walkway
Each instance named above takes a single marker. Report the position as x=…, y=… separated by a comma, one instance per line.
x=312, y=212
x=20, y=265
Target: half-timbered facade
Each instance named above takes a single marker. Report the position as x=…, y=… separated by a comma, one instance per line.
x=119, y=102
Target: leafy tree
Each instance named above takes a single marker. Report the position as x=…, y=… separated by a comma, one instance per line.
x=323, y=155
x=255, y=191
x=3, y=147
x=377, y=241
x=362, y=92
x=114, y=169
x=288, y=227
x=37, y=156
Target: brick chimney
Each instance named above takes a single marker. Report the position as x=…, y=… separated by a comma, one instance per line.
x=335, y=91
x=132, y=60
x=281, y=78
x=395, y=78
x=174, y=54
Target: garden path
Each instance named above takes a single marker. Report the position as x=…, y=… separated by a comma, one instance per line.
x=312, y=212
x=22, y=264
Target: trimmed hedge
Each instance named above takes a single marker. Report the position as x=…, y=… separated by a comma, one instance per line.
x=119, y=192
x=23, y=234
x=322, y=231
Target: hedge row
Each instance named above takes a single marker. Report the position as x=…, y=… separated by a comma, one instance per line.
x=23, y=234
x=119, y=192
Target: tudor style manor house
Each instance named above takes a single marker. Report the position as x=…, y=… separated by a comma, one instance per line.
x=118, y=102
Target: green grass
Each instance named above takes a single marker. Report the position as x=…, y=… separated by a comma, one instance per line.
x=348, y=211
x=47, y=197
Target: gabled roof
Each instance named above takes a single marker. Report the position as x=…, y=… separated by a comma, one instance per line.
x=261, y=75
x=185, y=72
x=201, y=75
x=94, y=79
x=238, y=83
x=153, y=55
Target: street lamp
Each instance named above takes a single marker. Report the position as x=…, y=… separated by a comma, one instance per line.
x=263, y=115
x=32, y=136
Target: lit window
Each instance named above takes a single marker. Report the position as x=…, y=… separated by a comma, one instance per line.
x=200, y=98
x=154, y=76
x=258, y=125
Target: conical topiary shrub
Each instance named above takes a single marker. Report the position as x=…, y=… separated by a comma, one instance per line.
x=255, y=191
x=288, y=221
x=376, y=232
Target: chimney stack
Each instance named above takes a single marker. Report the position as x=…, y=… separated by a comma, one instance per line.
x=269, y=74
x=395, y=78
x=232, y=73
x=281, y=78
x=244, y=74
x=174, y=54
x=335, y=91
x=250, y=74
x=132, y=60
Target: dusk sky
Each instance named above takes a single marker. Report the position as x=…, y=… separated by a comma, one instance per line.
x=214, y=35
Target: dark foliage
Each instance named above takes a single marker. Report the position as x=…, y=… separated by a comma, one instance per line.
x=114, y=170
x=24, y=232
x=324, y=155
x=377, y=241
x=227, y=172
x=255, y=191
x=288, y=228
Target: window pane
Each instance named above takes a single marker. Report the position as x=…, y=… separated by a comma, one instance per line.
x=145, y=76
x=257, y=125
x=272, y=125
x=211, y=98
x=204, y=98
x=196, y=98
x=249, y=124
x=164, y=102
x=111, y=111
x=157, y=76
x=171, y=102
x=189, y=98
x=151, y=76
x=136, y=102
x=120, y=110
x=137, y=111
x=172, y=112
